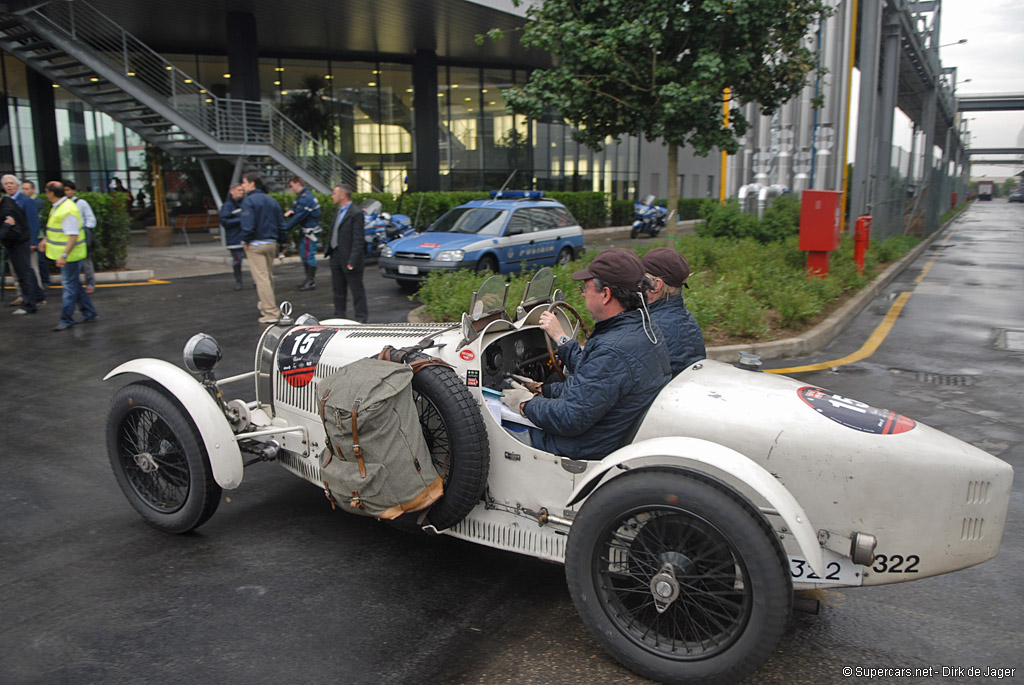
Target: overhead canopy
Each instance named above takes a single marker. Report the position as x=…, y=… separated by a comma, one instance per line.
x=326, y=28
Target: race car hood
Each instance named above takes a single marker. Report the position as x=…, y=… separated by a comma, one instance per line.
x=432, y=243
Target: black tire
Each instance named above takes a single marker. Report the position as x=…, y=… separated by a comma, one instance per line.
x=487, y=264
x=457, y=439
x=159, y=459
x=634, y=232
x=564, y=256
x=407, y=286
x=735, y=591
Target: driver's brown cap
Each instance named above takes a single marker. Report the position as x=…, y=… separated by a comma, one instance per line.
x=668, y=265
x=616, y=266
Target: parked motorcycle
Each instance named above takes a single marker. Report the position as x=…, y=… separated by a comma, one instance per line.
x=380, y=227
x=648, y=217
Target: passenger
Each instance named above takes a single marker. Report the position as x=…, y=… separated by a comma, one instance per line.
x=669, y=271
x=612, y=380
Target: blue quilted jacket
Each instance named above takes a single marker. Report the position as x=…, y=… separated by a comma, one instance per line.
x=609, y=383
x=680, y=330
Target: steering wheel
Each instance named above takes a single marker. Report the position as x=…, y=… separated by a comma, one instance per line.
x=547, y=339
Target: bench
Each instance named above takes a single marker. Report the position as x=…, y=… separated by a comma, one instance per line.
x=195, y=223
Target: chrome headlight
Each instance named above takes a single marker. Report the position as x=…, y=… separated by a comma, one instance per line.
x=201, y=353
x=385, y=251
x=451, y=255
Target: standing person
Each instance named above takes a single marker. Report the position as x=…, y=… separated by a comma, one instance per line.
x=63, y=245
x=31, y=215
x=610, y=382
x=89, y=226
x=345, y=251
x=262, y=230
x=231, y=220
x=305, y=212
x=15, y=235
x=669, y=271
x=41, y=264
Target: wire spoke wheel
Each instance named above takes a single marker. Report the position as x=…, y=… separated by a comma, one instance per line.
x=712, y=603
x=153, y=460
x=678, y=577
x=159, y=459
x=435, y=432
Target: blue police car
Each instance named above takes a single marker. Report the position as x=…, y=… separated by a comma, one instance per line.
x=500, y=234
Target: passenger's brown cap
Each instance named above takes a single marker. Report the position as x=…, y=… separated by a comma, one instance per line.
x=668, y=265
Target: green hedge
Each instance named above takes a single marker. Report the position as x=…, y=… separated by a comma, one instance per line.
x=113, y=230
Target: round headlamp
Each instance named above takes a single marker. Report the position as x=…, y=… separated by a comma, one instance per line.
x=201, y=353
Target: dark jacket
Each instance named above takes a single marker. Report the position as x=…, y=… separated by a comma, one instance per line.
x=231, y=220
x=351, y=242
x=682, y=335
x=307, y=212
x=608, y=385
x=17, y=234
x=31, y=209
x=261, y=218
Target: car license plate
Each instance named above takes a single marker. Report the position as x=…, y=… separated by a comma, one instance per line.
x=838, y=571
x=408, y=270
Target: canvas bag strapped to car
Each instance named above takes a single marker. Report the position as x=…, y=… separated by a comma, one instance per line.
x=376, y=461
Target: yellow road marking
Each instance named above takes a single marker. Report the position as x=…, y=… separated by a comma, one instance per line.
x=151, y=281
x=877, y=336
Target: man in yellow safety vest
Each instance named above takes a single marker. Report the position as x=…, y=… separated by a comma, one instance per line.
x=65, y=244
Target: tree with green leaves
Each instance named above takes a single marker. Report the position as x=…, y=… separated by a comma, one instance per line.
x=309, y=109
x=659, y=68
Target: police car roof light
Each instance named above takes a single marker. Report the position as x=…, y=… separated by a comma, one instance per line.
x=517, y=194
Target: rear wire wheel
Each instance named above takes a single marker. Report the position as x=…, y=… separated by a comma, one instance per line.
x=677, y=578
x=159, y=459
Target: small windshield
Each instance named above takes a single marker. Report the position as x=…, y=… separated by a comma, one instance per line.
x=471, y=220
x=371, y=207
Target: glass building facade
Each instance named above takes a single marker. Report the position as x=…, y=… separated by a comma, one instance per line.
x=364, y=112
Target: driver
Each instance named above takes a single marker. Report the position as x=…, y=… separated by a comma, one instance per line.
x=669, y=271
x=612, y=380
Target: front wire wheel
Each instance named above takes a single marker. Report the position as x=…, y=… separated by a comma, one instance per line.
x=678, y=579
x=158, y=459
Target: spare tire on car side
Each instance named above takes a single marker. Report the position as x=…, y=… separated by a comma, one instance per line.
x=456, y=436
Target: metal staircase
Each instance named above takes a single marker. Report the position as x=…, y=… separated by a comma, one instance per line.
x=83, y=51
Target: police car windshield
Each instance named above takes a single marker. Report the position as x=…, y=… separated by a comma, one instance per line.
x=471, y=220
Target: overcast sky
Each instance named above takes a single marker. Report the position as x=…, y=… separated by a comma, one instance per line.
x=993, y=60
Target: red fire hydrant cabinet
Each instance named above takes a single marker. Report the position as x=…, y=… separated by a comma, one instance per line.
x=819, y=227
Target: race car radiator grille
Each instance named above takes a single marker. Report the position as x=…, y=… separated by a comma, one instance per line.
x=304, y=398
x=543, y=543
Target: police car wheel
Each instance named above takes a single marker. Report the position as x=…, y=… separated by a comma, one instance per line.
x=487, y=264
x=565, y=256
x=159, y=459
x=678, y=578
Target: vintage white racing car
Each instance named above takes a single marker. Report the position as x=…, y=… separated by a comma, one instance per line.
x=682, y=550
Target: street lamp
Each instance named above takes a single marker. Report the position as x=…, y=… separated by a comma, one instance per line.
x=959, y=42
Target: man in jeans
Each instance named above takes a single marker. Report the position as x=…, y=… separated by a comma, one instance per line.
x=262, y=230
x=65, y=245
x=89, y=231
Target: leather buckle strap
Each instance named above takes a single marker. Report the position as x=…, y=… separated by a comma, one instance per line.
x=356, y=449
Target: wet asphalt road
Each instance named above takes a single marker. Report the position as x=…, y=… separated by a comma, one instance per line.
x=278, y=588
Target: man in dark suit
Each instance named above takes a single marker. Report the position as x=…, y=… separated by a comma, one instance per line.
x=346, y=248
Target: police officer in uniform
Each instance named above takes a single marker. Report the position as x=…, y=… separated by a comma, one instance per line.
x=305, y=212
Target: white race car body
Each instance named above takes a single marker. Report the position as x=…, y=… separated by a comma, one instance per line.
x=826, y=477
